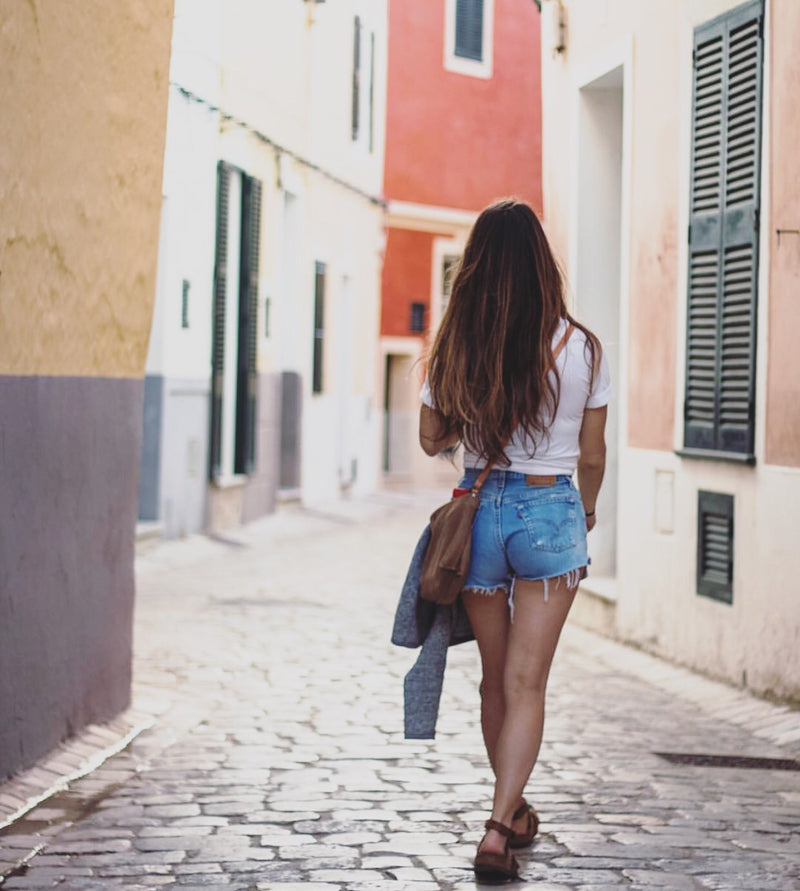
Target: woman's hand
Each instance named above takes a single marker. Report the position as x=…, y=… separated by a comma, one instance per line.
x=591, y=519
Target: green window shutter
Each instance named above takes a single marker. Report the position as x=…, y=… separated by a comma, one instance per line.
x=247, y=370
x=469, y=29
x=719, y=407
x=715, y=512
x=319, y=328
x=218, y=319
x=356, y=98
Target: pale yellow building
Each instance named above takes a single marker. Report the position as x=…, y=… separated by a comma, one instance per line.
x=84, y=99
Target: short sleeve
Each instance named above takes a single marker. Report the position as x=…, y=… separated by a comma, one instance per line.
x=601, y=391
x=425, y=394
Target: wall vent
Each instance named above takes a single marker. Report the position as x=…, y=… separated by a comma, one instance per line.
x=715, y=546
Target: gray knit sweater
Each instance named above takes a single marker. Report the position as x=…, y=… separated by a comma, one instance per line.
x=419, y=623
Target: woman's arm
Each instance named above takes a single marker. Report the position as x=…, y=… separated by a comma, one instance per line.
x=433, y=435
x=592, y=460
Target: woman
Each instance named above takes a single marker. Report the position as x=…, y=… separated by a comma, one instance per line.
x=524, y=387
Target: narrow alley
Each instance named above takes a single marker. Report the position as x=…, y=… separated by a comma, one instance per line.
x=275, y=756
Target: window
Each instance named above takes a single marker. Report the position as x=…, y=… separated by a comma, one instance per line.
x=417, y=323
x=356, y=97
x=469, y=29
x=715, y=545
x=449, y=267
x=719, y=406
x=319, y=327
x=234, y=347
x=372, y=92
x=362, y=102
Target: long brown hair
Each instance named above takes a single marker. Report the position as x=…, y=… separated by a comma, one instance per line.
x=489, y=363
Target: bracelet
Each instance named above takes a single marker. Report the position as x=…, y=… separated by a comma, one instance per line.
x=589, y=513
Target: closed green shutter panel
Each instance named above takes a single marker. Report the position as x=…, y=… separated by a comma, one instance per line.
x=218, y=320
x=356, y=97
x=469, y=29
x=719, y=406
x=247, y=371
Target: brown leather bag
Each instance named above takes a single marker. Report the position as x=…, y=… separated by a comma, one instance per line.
x=446, y=563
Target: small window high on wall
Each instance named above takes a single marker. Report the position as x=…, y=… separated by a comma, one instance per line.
x=719, y=406
x=235, y=324
x=469, y=30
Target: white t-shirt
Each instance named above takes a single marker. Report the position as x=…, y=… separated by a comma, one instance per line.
x=557, y=449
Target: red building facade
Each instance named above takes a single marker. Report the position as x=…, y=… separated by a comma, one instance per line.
x=463, y=129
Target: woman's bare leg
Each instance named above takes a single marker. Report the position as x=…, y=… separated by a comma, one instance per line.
x=489, y=617
x=532, y=640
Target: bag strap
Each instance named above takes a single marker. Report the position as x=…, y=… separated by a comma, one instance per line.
x=483, y=475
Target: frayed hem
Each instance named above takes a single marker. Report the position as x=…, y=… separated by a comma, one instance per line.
x=486, y=592
x=572, y=579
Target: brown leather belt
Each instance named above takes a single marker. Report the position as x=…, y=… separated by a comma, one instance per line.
x=531, y=479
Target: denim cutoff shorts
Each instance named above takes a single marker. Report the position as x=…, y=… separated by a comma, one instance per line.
x=525, y=532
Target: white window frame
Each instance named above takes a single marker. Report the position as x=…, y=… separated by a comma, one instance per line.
x=471, y=67
x=442, y=247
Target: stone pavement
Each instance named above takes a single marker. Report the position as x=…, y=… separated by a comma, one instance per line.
x=275, y=759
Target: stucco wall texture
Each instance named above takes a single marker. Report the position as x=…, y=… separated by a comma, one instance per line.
x=783, y=373
x=460, y=141
x=84, y=96
x=406, y=279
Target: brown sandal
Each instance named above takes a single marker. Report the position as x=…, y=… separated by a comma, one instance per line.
x=523, y=839
x=496, y=868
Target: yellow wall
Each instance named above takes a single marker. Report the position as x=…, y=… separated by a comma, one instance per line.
x=83, y=99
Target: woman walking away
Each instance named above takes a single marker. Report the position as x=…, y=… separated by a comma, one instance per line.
x=524, y=387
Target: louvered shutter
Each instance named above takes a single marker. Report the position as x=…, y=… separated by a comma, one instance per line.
x=715, y=545
x=723, y=243
x=356, y=97
x=247, y=371
x=218, y=320
x=469, y=29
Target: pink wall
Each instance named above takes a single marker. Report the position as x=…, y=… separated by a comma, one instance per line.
x=406, y=278
x=459, y=141
x=783, y=372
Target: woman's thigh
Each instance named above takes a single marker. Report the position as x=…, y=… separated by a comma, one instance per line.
x=534, y=633
x=489, y=617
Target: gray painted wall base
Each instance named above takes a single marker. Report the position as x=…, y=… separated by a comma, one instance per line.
x=174, y=474
x=260, y=495
x=69, y=452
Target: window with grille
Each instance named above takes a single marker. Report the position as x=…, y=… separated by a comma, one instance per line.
x=469, y=29
x=719, y=404
x=234, y=378
x=715, y=545
x=469, y=37
x=417, y=323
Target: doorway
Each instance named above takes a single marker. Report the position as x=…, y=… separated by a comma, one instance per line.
x=598, y=277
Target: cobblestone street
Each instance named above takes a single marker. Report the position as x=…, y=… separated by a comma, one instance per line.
x=275, y=756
